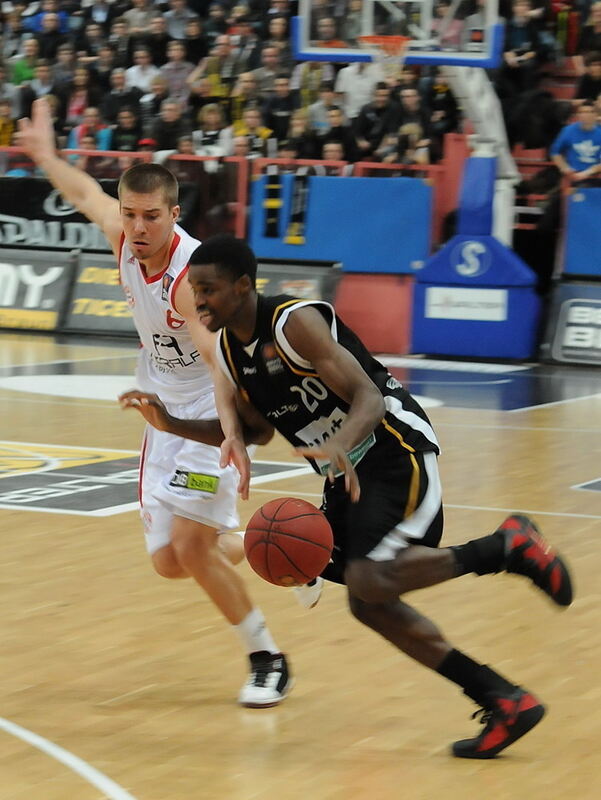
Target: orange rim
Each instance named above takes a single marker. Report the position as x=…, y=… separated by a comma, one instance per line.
x=391, y=45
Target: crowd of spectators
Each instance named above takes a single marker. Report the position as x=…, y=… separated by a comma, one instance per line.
x=218, y=78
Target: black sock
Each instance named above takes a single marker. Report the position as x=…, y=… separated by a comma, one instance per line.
x=481, y=556
x=475, y=679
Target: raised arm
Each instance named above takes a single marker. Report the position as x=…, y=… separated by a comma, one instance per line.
x=197, y=72
x=36, y=137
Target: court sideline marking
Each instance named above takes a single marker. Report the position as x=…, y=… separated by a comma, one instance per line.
x=57, y=361
x=110, y=789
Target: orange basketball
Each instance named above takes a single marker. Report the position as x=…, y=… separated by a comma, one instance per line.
x=288, y=542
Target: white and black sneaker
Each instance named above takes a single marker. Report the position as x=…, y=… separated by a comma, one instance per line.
x=269, y=681
x=309, y=594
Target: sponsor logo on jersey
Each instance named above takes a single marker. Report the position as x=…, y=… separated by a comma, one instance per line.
x=167, y=281
x=392, y=383
x=354, y=456
x=249, y=370
x=195, y=481
x=285, y=409
x=169, y=354
x=174, y=322
x=271, y=358
x=131, y=300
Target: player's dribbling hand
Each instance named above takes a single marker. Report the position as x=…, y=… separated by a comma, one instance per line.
x=36, y=135
x=234, y=452
x=149, y=406
x=339, y=463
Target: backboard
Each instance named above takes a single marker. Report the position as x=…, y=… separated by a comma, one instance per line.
x=442, y=31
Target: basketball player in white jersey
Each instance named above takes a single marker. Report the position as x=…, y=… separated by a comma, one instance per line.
x=187, y=498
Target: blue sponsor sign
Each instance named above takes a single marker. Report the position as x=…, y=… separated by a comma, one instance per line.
x=583, y=233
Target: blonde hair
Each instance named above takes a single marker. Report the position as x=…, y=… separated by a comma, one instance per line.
x=300, y=115
x=210, y=108
x=147, y=178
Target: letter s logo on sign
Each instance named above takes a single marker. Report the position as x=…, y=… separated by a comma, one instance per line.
x=470, y=259
x=174, y=322
x=56, y=206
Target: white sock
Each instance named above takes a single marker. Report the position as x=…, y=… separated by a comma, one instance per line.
x=254, y=633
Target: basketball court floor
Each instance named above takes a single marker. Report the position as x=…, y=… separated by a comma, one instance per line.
x=119, y=684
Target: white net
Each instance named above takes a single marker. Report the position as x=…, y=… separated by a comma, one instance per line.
x=387, y=51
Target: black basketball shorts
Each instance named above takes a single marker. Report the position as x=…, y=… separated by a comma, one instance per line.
x=400, y=505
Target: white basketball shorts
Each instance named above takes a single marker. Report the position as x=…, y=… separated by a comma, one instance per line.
x=181, y=477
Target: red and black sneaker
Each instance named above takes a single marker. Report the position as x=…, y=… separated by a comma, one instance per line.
x=507, y=717
x=527, y=553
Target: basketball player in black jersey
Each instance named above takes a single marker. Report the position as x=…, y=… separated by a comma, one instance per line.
x=293, y=366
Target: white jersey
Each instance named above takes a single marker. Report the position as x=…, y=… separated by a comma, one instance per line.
x=169, y=363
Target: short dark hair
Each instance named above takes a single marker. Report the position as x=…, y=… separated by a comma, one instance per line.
x=147, y=178
x=229, y=255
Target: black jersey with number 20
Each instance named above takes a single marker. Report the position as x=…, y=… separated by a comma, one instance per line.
x=288, y=392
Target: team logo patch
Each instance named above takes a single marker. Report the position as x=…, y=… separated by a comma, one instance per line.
x=174, y=322
x=131, y=300
x=167, y=281
x=271, y=358
x=195, y=480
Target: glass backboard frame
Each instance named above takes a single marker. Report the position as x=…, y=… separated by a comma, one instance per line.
x=419, y=51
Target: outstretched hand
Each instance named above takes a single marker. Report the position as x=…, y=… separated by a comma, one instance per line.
x=36, y=135
x=149, y=406
x=339, y=464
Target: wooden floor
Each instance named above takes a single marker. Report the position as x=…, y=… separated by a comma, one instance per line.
x=134, y=677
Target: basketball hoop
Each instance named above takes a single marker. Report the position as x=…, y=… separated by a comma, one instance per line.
x=388, y=51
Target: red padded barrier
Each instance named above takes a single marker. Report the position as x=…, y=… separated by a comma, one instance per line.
x=378, y=309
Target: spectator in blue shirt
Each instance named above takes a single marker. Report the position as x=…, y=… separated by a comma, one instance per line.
x=577, y=149
x=34, y=22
